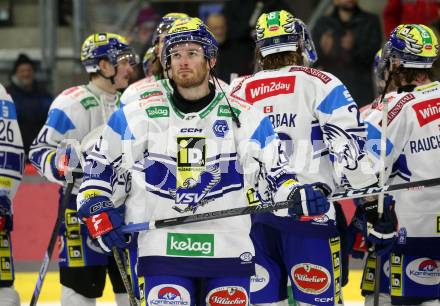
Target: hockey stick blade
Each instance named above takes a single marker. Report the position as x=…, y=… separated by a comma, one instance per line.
x=51, y=246
x=239, y=211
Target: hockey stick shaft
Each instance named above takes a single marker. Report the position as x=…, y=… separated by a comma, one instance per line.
x=52, y=241
x=239, y=211
x=125, y=279
x=383, y=157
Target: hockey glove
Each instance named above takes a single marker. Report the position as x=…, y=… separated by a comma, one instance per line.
x=65, y=162
x=104, y=222
x=5, y=214
x=380, y=234
x=309, y=199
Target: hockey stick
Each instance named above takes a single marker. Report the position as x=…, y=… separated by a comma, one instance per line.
x=383, y=156
x=52, y=241
x=124, y=276
x=239, y=211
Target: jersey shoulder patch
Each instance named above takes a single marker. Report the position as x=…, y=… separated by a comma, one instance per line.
x=322, y=76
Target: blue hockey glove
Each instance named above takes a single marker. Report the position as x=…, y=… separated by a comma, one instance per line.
x=5, y=214
x=309, y=199
x=380, y=234
x=104, y=222
x=64, y=162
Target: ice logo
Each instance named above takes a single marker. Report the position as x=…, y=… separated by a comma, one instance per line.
x=169, y=293
x=428, y=265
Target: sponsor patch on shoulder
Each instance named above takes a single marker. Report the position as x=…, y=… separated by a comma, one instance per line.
x=313, y=72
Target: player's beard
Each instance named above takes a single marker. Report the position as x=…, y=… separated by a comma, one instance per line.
x=193, y=79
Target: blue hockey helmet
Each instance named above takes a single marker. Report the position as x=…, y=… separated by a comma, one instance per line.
x=188, y=30
x=109, y=46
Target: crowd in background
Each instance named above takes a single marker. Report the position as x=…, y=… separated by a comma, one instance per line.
x=346, y=39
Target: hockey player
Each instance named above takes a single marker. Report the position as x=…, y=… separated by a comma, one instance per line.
x=189, y=147
x=151, y=62
x=73, y=115
x=318, y=121
x=412, y=154
x=11, y=172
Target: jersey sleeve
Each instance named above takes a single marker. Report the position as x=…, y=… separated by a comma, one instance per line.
x=107, y=159
x=63, y=122
x=398, y=132
x=344, y=134
x=11, y=148
x=260, y=152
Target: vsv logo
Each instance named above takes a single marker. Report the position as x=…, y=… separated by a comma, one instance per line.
x=427, y=111
x=190, y=244
x=262, y=89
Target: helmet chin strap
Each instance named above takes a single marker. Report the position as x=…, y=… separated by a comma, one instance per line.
x=111, y=78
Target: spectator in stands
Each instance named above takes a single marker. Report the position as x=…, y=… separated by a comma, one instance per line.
x=416, y=11
x=346, y=41
x=31, y=99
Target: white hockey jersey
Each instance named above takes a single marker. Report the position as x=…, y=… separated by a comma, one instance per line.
x=318, y=123
x=413, y=148
x=181, y=164
x=73, y=115
x=145, y=87
x=11, y=147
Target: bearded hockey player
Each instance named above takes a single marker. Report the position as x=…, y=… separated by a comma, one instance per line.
x=11, y=172
x=318, y=123
x=190, y=148
x=73, y=115
x=412, y=154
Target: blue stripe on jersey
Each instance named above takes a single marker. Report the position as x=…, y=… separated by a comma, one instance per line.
x=373, y=143
x=58, y=120
x=335, y=100
x=7, y=110
x=11, y=161
x=118, y=124
x=400, y=168
x=264, y=133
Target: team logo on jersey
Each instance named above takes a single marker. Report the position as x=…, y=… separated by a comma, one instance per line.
x=260, y=279
x=220, y=128
x=158, y=111
x=264, y=88
x=427, y=111
x=193, y=180
x=310, y=278
x=227, y=296
x=180, y=244
x=168, y=295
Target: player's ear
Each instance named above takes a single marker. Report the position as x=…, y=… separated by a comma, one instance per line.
x=212, y=62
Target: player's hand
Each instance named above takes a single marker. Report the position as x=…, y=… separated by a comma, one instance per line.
x=5, y=214
x=379, y=233
x=309, y=199
x=104, y=222
x=65, y=162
